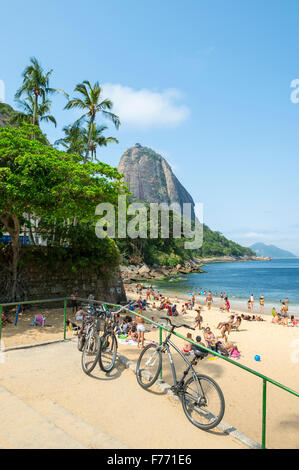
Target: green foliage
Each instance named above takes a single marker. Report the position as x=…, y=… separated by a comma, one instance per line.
x=38, y=178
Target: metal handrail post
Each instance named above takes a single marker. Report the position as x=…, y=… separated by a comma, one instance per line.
x=264, y=413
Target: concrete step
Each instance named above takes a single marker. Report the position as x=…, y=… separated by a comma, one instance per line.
x=30, y=429
x=44, y=424
x=89, y=435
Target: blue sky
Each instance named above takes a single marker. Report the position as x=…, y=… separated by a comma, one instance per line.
x=204, y=83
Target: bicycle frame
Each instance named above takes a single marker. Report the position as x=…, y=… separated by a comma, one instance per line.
x=165, y=345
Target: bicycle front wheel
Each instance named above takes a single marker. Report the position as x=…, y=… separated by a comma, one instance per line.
x=81, y=341
x=90, y=352
x=149, y=365
x=108, y=351
x=203, y=402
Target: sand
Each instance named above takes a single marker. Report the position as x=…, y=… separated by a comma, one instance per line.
x=278, y=347
x=48, y=402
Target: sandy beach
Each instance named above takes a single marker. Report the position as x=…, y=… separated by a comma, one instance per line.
x=278, y=347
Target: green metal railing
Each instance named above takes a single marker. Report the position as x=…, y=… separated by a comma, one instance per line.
x=264, y=378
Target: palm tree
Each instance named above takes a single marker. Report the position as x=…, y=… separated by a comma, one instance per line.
x=27, y=112
x=90, y=100
x=74, y=140
x=77, y=137
x=97, y=139
x=36, y=84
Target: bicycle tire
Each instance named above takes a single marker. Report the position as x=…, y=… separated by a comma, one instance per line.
x=106, y=355
x=211, y=420
x=81, y=341
x=142, y=373
x=92, y=347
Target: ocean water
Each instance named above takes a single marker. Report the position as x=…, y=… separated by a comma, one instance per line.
x=275, y=279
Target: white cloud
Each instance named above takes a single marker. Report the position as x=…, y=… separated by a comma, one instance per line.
x=146, y=108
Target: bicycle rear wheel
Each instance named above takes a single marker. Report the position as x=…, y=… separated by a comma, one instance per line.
x=90, y=352
x=203, y=402
x=108, y=352
x=148, y=366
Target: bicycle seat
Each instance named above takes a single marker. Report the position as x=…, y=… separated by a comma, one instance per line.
x=199, y=354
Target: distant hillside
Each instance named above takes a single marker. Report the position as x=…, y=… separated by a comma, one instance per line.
x=271, y=250
x=6, y=113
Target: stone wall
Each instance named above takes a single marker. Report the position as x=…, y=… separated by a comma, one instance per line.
x=43, y=287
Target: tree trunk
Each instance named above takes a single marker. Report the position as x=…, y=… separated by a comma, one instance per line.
x=89, y=138
x=12, y=225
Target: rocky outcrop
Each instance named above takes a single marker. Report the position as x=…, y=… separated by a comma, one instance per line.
x=150, y=178
x=145, y=272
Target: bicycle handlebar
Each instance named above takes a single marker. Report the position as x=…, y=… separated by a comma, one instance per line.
x=178, y=326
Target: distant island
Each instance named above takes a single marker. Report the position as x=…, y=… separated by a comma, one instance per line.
x=271, y=250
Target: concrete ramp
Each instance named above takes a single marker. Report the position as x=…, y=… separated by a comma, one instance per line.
x=48, y=402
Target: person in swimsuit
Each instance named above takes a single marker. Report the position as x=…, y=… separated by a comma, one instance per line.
x=262, y=302
x=187, y=346
x=209, y=300
x=140, y=330
x=251, y=303
x=210, y=338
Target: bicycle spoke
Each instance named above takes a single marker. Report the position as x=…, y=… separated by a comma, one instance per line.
x=203, y=402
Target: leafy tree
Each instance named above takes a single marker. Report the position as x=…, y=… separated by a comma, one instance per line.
x=91, y=102
x=36, y=178
x=36, y=85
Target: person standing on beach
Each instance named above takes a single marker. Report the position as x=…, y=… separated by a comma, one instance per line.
x=251, y=302
x=262, y=303
x=227, y=304
x=140, y=330
x=74, y=302
x=209, y=300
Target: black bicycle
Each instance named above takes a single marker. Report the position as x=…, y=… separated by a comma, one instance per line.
x=202, y=398
x=92, y=341
x=87, y=318
x=108, y=344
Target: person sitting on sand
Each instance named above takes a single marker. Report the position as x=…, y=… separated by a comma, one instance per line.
x=259, y=318
x=132, y=334
x=198, y=348
x=237, y=323
x=277, y=319
x=187, y=346
x=294, y=321
x=230, y=348
x=210, y=338
x=5, y=319
x=126, y=325
x=183, y=310
x=223, y=323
